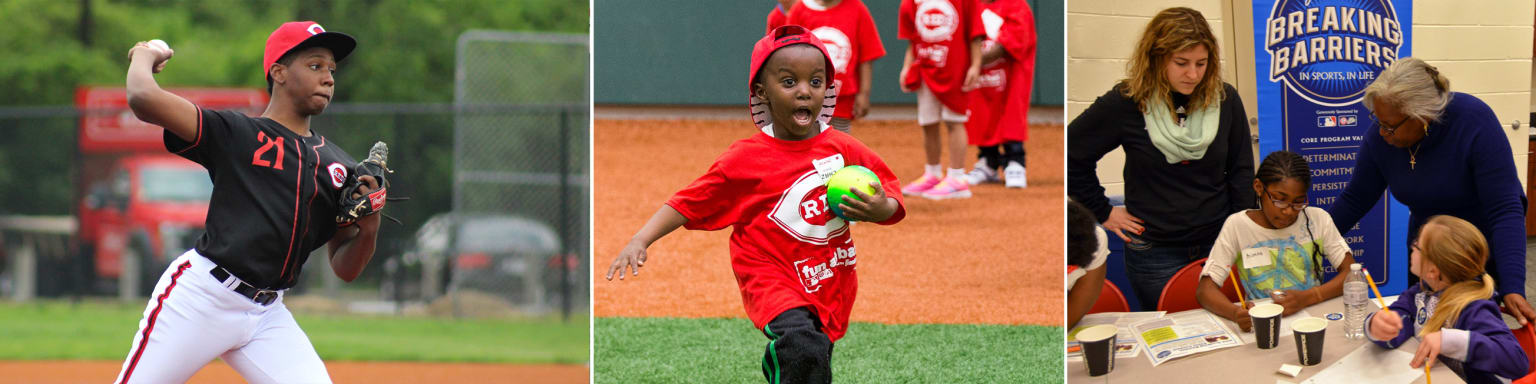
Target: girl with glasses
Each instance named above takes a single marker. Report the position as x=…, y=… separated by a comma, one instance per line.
x=1279, y=249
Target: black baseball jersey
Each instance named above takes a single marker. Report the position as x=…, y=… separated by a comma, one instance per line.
x=274, y=198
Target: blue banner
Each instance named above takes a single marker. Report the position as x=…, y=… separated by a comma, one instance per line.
x=1312, y=61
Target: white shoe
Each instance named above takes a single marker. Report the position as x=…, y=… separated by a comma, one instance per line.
x=1014, y=175
x=981, y=173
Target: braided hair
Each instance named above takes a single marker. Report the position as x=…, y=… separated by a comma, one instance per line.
x=1281, y=165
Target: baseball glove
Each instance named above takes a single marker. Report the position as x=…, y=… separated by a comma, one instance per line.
x=354, y=208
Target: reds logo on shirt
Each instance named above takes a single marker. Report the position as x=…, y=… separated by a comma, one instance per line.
x=802, y=212
x=338, y=174
x=937, y=20
x=839, y=47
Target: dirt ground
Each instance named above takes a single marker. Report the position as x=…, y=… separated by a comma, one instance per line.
x=46, y=372
x=995, y=258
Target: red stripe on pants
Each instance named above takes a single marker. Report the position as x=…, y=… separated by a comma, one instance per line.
x=159, y=303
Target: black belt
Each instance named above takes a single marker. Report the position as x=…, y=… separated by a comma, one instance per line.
x=258, y=295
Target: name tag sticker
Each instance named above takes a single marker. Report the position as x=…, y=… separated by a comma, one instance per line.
x=1256, y=257
x=826, y=166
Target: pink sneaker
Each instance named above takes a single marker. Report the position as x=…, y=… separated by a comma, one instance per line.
x=950, y=188
x=922, y=185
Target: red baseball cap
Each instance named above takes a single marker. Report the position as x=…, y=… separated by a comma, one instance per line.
x=296, y=35
x=779, y=38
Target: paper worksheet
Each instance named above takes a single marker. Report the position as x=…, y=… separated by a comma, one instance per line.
x=1125, y=341
x=1182, y=334
x=1371, y=364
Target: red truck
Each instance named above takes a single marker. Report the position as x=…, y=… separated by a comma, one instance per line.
x=135, y=199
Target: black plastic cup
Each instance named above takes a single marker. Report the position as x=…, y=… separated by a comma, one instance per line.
x=1309, y=339
x=1266, y=324
x=1098, y=344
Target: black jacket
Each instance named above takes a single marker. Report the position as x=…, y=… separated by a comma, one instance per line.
x=1182, y=203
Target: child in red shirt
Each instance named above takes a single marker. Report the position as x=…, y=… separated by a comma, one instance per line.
x=779, y=15
x=848, y=31
x=794, y=260
x=941, y=36
x=1000, y=103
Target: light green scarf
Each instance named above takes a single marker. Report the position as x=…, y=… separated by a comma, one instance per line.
x=1182, y=142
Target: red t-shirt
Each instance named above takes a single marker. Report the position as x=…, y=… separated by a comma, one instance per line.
x=1000, y=103
x=776, y=18
x=940, y=32
x=851, y=39
x=787, y=248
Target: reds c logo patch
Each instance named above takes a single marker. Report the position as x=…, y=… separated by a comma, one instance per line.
x=803, y=213
x=338, y=174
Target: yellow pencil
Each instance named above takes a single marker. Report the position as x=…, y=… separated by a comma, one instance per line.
x=1239, y=288
x=1426, y=374
x=1372, y=280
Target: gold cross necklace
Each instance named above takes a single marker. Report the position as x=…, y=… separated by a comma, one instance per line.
x=1413, y=155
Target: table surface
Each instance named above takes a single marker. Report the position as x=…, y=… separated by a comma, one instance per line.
x=1246, y=363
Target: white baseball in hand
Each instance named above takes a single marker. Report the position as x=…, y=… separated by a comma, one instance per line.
x=160, y=44
x=163, y=50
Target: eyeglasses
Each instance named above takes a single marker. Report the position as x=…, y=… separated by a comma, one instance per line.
x=1281, y=204
x=1392, y=128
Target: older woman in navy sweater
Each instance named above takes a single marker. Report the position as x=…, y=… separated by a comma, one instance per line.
x=1442, y=153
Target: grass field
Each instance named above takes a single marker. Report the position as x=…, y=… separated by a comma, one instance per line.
x=103, y=330
x=675, y=350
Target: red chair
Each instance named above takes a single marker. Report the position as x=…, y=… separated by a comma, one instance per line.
x=1110, y=300
x=1179, y=294
x=1527, y=338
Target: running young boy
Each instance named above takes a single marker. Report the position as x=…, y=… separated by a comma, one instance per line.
x=279, y=189
x=1000, y=105
x=852, y=41
x=793, y=259
x=940, y=66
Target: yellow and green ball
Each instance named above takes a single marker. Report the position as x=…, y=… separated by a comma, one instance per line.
x=842, y=183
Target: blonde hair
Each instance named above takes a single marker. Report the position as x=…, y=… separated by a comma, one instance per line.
x=1413, y=86
x=1172, y=30
x=1459, y=251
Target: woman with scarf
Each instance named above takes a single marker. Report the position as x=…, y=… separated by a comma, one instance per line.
x=1188, y=154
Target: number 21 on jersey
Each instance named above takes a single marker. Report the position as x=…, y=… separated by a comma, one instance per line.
x=267, y=146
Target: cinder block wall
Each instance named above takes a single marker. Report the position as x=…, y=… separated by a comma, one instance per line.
x=1484, y=47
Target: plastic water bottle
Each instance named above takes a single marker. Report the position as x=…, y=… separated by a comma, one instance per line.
x=1355, y=302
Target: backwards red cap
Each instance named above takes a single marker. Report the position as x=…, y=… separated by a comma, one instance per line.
x=779, y=38
x=294, y=35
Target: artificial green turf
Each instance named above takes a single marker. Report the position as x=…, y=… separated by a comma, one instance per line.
x=672, y=350
x=93, y=330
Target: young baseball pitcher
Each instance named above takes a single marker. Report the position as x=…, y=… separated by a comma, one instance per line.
x=794, y=260
x=280, y=191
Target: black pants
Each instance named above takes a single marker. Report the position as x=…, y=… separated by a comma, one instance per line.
x=998, y=156
x=798, y=351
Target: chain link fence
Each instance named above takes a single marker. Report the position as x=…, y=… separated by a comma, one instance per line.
x=499, y=184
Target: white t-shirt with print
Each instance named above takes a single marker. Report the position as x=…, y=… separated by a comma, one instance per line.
x=1261, y=248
